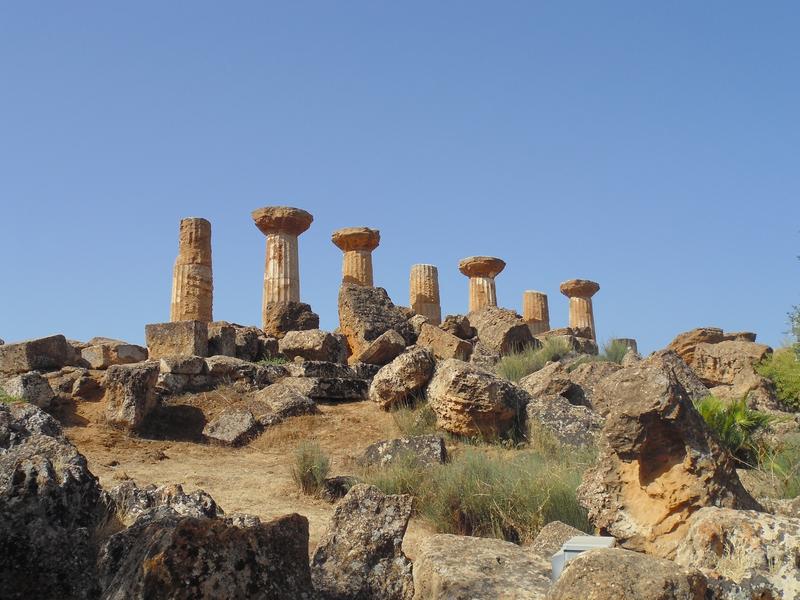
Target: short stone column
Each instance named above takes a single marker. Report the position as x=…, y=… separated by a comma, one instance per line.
x=281, y=225
x=535, y=311
x=424, y=292
x=357, y=243
x=580, y=292
x=629, y=343
x=192, y=282
x=481, y=271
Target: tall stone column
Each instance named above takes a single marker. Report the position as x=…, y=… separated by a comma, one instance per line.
x=424, y=292
x=357, y=243
x=281, y=225
x=535, y=311
x=580, y=292
x=481, y=271
x=192, y=282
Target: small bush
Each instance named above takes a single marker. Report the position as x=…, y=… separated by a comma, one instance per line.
x=614, y=351
x=310, y=468
x=782, y=367
x=781, y=465
x=739, y=428
x=517, y=365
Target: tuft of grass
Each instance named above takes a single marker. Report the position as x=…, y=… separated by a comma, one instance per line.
x=781, y=467
x=310, y=468
x=275, y=360
x=491, y=492
x=9, y=399
x=614, y=351
x=517, y=365
x=740, y=429
x=782, y=367
x=415, y=419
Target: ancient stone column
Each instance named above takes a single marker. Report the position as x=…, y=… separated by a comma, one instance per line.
x=630, y=343
x=192, y=283
x=580, y=292
x=535, y=311
x=424, y=292
x=481, y=271
x=281, y=225
x=357, y=243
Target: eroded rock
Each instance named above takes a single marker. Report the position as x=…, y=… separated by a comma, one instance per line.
x=383, y=349
x=42, y=354
x=313, y=344
x=130, y=394
x=503, y=331
x=283, y=317
x=405, y=375
x=422, y=450
x=30, y=387
x=442, y=344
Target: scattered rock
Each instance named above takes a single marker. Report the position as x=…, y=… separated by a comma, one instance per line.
x=586, y=378
x=472, y=402
x=313, y=344
x=101, y=353
x=182, y=365
x=722, y=363
x=416, y=322
x=360, y=555
x=401, y=378
x=450, y=567
x=422, y=450
x=501, y=330
x=233, y=427
x=383, y=349
x=276, y=402
x=330, y=389
x=458, y=325
x=221, y=339
x=291, y=316
x=658, y=463
x=130, y=501
x=42, y=354
x=229, y=368
x=30, y=387
x=335, y=488
x=178, y=338
x=552, y=537
x=367, y=312
x=442, y=344
x=614, y=574
x=318, y=368
x=685, y=343
x=482, y=356
x=568, y=424
x=130, y=394
x=249, y=343
x=552, y=379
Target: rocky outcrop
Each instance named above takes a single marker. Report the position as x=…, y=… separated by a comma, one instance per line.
x=685, y=344
x=586, y=378
x=130, y=394
x=42, y=354
x=658, y=463
x=383, y=349
x=30, y=387
x=458, y=325
x=745, y=554
x=313, y=344
x=282, y=317
x=405, y=375
x=501, y=330
x=360, y=556
x=472, y=402
x=101, y=353
x=722, y=363
x=421, y=450
x=128, y=501
x=614, y=574
x=367, y=312
x=450, y=567
x=442, y=344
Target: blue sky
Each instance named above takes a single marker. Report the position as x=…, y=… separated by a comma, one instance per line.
x=652, y=147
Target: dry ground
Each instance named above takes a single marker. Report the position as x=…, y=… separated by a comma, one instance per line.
x=254, y=479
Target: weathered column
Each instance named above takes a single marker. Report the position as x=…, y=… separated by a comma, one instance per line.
x=481, y=271
x=580, y=292
x=535, y=311
x=629, y=343
x=192, y=282
x=357, y=243
x=281, y=225
x=424, y=292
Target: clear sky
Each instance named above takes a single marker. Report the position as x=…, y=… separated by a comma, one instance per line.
x=653, y=147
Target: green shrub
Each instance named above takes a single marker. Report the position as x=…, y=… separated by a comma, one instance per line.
x=415, y=419
x=275, y=360
x=739, y=428
x=614, y=351
x=782, y=466
x=517, y=365
x=782, y=367
x=310, y=468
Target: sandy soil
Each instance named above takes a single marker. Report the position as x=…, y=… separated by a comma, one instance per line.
x=254, y=479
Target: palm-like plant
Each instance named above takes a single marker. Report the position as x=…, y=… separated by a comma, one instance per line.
x=739, y=428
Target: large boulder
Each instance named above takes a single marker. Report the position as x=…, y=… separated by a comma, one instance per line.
x=742, y=552
x=130, y=394
x=452, y=567
x=685, y=344
x=367, y=312
x=443, y=344
x=459, y=326
x=42, y=354
x=585, y=379
x=383, y=349
x=614, y=574
x=221, y=339
x=177, y=338
x=329, y=389
x=129, y=501
x=252, y=344
x=232, y=427
x=277, y=402
x=658, y=463
x=422, y=450
x=168, y=555
x=360, y=556
x=501, y=330
x=472, y=402
x=724, y=362
x=405, y=375
x=101, y=353
x=313, y=344
x=30, y=387
x=281, y=318
x=49, y=505
x=569, y=424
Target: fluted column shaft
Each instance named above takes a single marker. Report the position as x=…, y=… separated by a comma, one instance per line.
x=281, y=270
x=357, y=267
x=482, y=293
x=581, y=314
x=192, y=279
x=424, y=292
x=535, y=311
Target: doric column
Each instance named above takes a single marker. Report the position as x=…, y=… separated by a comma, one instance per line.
x=630, y=343
x=580, y=292
x=281, y=225
x=535, y=311
x=357, y=243
x=481, y=271
x=192, y=283
x=424, y=292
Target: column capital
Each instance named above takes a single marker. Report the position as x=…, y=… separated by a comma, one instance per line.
x=282, y=219
x=481, y=266
x=356, y=238
x=579, y=288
